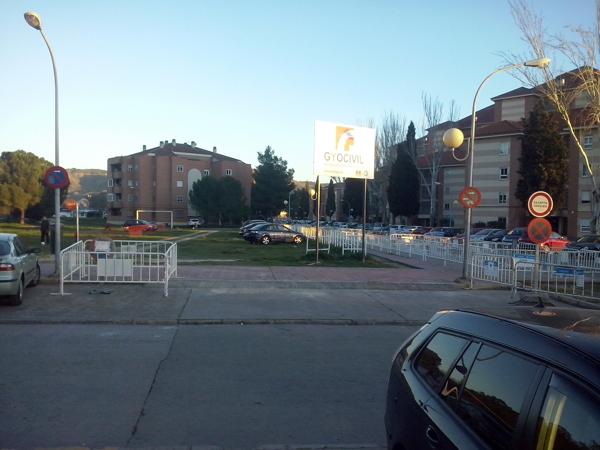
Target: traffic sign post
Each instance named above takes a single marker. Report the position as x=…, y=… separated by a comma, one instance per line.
x=539, y=231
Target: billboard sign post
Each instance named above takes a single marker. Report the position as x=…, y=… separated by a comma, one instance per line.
x=345, y=151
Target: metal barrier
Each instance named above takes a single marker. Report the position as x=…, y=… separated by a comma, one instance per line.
x=102, y=261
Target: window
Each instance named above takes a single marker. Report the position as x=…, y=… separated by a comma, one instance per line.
x=455, y=381
x=584, y=170
x=434, y=362
x=493, y=395
x=584, y=226
x=503, y=173
x=586, y=196
x=19, y=247
x=569, y=418
x=206, y=172
x=130, y=198
x=446, y=190
x=446, y=206
x=110, y=182
x=110, y=197
x=502, y=198
x=228, y=172
x=130, y=183
x=129, y=168
x=179, y=168
x=135, y=168
x=502, y=222
x=179, y=199
x=179, y=184
x=504, y=146
x=588, y=142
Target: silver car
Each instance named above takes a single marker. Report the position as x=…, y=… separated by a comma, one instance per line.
x=19, y=267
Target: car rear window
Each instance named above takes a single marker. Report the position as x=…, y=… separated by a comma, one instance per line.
x=4, y=248
x=435, y=360
x=494, y=393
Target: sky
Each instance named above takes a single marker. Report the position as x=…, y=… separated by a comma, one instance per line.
x=240, y=75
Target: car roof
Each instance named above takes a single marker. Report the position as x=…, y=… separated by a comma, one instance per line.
x=528, y=329
x=7, y=236
x=575, y=327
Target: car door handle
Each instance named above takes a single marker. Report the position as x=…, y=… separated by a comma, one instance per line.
x=432, y=437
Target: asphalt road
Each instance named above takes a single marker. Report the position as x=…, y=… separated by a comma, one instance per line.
x=231, y=386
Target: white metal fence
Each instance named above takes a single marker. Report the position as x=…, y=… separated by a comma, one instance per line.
x=103, y=261
x=564, y=272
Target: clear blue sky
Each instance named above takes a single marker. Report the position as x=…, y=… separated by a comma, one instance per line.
x=241, y=75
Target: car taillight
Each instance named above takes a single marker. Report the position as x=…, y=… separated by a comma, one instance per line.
x=5, y=267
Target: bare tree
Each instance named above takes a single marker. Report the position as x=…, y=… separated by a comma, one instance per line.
x=581, y=84
x=389, y=135
x=433, y=116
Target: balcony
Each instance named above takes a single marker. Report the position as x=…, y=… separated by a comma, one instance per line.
x=116, y=174
x=117, y=189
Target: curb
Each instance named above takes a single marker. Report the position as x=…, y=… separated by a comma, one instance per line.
x=293, y=284
x=574, y=301
x=176, y=322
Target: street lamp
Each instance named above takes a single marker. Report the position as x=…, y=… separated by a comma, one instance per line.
x=34, y=20
x=453, y=138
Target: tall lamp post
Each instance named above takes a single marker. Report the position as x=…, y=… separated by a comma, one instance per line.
x=453, y=138
x=34, y=20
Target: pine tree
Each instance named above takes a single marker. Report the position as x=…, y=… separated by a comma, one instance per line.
x=272, y=184
x=544, y=157
x=403, y=188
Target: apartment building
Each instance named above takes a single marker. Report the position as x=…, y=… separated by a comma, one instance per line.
x=496, y=164
x=158, y=180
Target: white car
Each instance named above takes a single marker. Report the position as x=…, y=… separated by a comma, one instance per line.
x=194, y=223
x=18, y=268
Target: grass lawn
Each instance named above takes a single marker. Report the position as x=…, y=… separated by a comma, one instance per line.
x=227, y=247
x=220, y=247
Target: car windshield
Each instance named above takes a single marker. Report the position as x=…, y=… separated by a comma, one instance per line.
x=4, y=248
x=482, y=232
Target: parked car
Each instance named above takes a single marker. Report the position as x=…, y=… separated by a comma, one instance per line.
x=443, y=232
x=421, y=230
x=588, y=242
x=488, y=234
x=528, y=380
x=147, y=226
x=251, y=224
x=194, y=223
x=513, y=236
x=556, y=242
x=271, y=233
x=19, y=268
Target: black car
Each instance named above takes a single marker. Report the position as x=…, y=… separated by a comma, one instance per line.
x=251, y=224
x=443, y=232
x=513, y=236
x=272, y=232
x=527, y=380
x=588, y=242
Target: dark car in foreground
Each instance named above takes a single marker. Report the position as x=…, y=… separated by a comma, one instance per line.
x=272, y=232
x=19, y=268
x=527, y=380
x=588, y=242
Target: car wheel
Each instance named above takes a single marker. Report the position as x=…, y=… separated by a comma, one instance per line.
x=265, y=240
x=17, y=299
x=37, y=276
x=297, y=239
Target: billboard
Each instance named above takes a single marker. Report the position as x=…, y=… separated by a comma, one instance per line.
x=344, y=150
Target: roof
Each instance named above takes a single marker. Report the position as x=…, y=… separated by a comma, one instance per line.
x=169, y=149
x=518, y=92
x=574, y=327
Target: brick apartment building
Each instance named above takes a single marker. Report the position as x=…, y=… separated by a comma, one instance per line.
x=496, y=165
x=160, y=178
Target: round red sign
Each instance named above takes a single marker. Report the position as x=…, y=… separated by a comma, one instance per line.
x=539, y=230
x=470, y=197
x=540, y=204
x=70, y=204
x=56, y=178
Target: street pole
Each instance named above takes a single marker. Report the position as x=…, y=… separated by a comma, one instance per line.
x=34, y=21
x=77, y=222
x=364, y=242
x=318, y=189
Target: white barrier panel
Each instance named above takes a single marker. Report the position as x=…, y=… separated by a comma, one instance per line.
x=103, y=261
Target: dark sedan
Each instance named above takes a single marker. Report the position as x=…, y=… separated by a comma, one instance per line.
x=588, y=242
x=513, y=236
x=272, y=232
